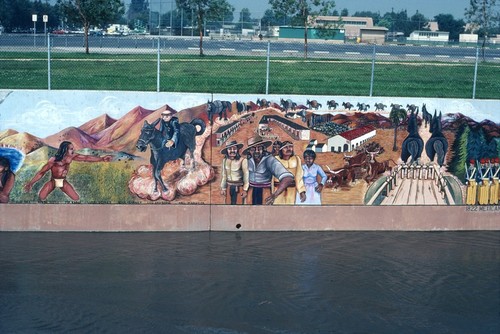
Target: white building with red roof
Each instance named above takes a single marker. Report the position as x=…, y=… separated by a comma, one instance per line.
x=350, y=140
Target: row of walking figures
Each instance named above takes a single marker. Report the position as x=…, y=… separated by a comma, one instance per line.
x=483, y=182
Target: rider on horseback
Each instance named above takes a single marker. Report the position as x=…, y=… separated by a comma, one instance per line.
x=169, y=128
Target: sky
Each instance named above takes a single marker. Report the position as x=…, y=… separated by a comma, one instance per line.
x=429, y=8
x=43, y=113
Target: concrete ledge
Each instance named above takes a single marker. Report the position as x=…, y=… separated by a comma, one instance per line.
x=55, y=217
x=354, y=218
x=49, y=217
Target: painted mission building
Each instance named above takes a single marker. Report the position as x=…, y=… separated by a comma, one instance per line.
x=350, y=140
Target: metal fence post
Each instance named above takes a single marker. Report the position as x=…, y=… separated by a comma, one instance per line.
x=475, y=74
x=267, y=66
x=158, y=67
x=48, y=61
x=373, y=71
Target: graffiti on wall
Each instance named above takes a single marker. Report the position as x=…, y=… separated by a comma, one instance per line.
x=127, y=148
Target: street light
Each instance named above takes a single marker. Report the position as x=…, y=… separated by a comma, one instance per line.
x=171, y=18
x=45, y=20
x=34, y=18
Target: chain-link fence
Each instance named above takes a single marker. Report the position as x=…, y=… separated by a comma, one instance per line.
x=246, y=65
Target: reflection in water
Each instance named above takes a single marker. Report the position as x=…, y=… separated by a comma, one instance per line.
x=261, y=282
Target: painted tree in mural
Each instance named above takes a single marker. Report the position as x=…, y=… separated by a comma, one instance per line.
x=397, y=115
x=475, y=144
x=304, y=13
x=91, y=13
x=490, y=149
x=458, y=163
x=483, y=16
x=471, y=144
x=205, y=10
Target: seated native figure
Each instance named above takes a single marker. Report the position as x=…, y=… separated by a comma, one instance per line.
x=169, y=128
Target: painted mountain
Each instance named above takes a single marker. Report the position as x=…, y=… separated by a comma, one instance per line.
x=7, y=133
x=97, y=124
x=22, y=140
x=453, y=122
x=79, y=138
x=123, y=134
x=120, y=136
x=83, y=136
x=109, y=134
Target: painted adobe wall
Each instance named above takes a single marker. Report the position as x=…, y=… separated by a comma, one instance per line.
x=118, y=195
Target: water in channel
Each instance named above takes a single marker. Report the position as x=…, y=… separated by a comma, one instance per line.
x=250, y=282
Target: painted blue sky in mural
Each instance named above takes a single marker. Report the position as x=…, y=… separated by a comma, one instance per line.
x=46, y=113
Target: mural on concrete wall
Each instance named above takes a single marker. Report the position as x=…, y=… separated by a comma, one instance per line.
x=133, y=147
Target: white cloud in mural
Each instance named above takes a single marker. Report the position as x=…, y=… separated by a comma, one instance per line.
x=474, y=110
x=189, y=101
x=45, y=115
x=112, y=106
x=177, y=101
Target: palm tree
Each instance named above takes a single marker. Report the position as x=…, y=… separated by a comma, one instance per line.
x=396, y=116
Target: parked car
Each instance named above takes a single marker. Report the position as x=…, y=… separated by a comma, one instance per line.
x=96, y=32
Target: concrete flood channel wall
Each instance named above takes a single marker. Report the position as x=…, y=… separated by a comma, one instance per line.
x=113, y=179
x=111, y=218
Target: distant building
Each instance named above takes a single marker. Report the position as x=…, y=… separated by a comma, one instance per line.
x=373, y=35
x=432, y=26
x=360, y=29
x=429, y=36
x=355, y=28
x=263, y=124
x=351, y=25
x=468, y=38
x=224, y=133
x=348, y=141
x=312, y=34
x=296, y=131
x=321, y=148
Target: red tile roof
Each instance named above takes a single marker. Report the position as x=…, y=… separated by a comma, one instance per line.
x=356, y=133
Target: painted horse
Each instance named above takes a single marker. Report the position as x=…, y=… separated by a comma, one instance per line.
x=314, y=104
x=380, y=106
x=160, y=154
x=332, y=104
x=263, y=103
x=218, y=107
x=288, y=104
x=437, y=143
x=413, y=145
x=242, y=107
x=426, y=116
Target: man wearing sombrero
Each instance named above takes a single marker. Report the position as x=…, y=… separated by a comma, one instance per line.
x=169, y=128
x=234, y=173
x=262, y=166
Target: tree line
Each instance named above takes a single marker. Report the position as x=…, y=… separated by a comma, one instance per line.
x=16, y=16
